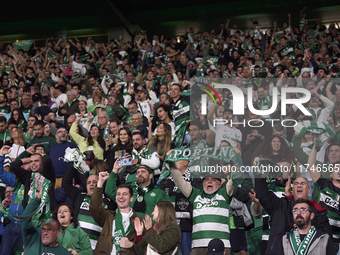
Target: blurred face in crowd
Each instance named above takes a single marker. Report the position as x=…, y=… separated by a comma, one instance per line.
x=123, y=198
x=333, y=154
x=114, y=127
x=112, y=101
x=91, y=184
x=164, y=100
x=132, y=108
x=163, y=89
x=70, y=96
x=2, y=98
x=260, y=93
x=50, y=233
x=175, y=92
x=142, y=96
x=61, y=135
x=94, y=132
x=302, y=218
x=194, y=132
x=82, y=106
x=47, y=130
x=92, y=81
x=129, y=77
x=162, y=115
x=280, y=133
x=138, y=142
x=102, y=119
x=30, y=122
x=143, y=177
x=136, y=120
x=96, y=91
x=14, y=105
x=123, y=136
x=36, y=163
x=64, y=216
x=211, y=185
x=39, y=130
x=300, y=188
x=150, y=76
x=276, y=144
x=25, y=101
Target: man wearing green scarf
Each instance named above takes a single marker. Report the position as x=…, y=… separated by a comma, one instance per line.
x=118, y=234
x=305, y=238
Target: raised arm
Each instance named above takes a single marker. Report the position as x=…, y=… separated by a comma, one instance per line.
x=111, y=184
x=67, y=183
x=312, y=164
x=97, y=211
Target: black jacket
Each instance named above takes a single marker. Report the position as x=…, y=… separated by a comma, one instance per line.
x=280, y=210
x=25, y=177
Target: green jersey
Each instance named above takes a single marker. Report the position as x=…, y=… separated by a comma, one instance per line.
x=28, y=137
x=210, y=217
x=328, y=196
x=87, y=223
x=5, y=136
x=180, y=111
x=288, y=50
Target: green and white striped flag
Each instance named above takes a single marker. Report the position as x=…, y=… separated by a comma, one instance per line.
x=39, y=182
x=180, y=134
x=51, y=55
x=23, y=45
x=316, y=128
x=83, y=58
x=74, y=155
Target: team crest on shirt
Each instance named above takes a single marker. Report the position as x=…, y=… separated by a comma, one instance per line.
x=183, y=203
x=139, y=198
x=152, y=194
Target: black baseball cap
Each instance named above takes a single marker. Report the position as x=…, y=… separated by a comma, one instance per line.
x=215, y=247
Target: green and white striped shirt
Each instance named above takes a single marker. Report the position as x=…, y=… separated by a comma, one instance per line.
x=210, y=217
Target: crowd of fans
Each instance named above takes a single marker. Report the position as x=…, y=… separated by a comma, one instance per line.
x=127, y=105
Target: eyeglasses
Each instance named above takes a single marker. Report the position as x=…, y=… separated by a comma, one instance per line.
x=193, y=130
x=48, y=230
x=301, y=210
x=102, y=117
x=135, y=119
x=304, y=184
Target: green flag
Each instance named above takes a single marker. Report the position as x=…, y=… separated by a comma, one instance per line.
x=23, y=45
x=39, y=182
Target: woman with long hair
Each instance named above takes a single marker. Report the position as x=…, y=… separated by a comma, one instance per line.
x=123, y=146
x=47, y=130
x=82, y=111
x=18, y=145
x=93, y=143
x=72, y=236
x=17, y=118
x=161, y=142
x=275, y=148
x=161, y=238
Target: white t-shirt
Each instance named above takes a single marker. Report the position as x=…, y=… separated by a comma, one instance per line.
x=232, y=135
